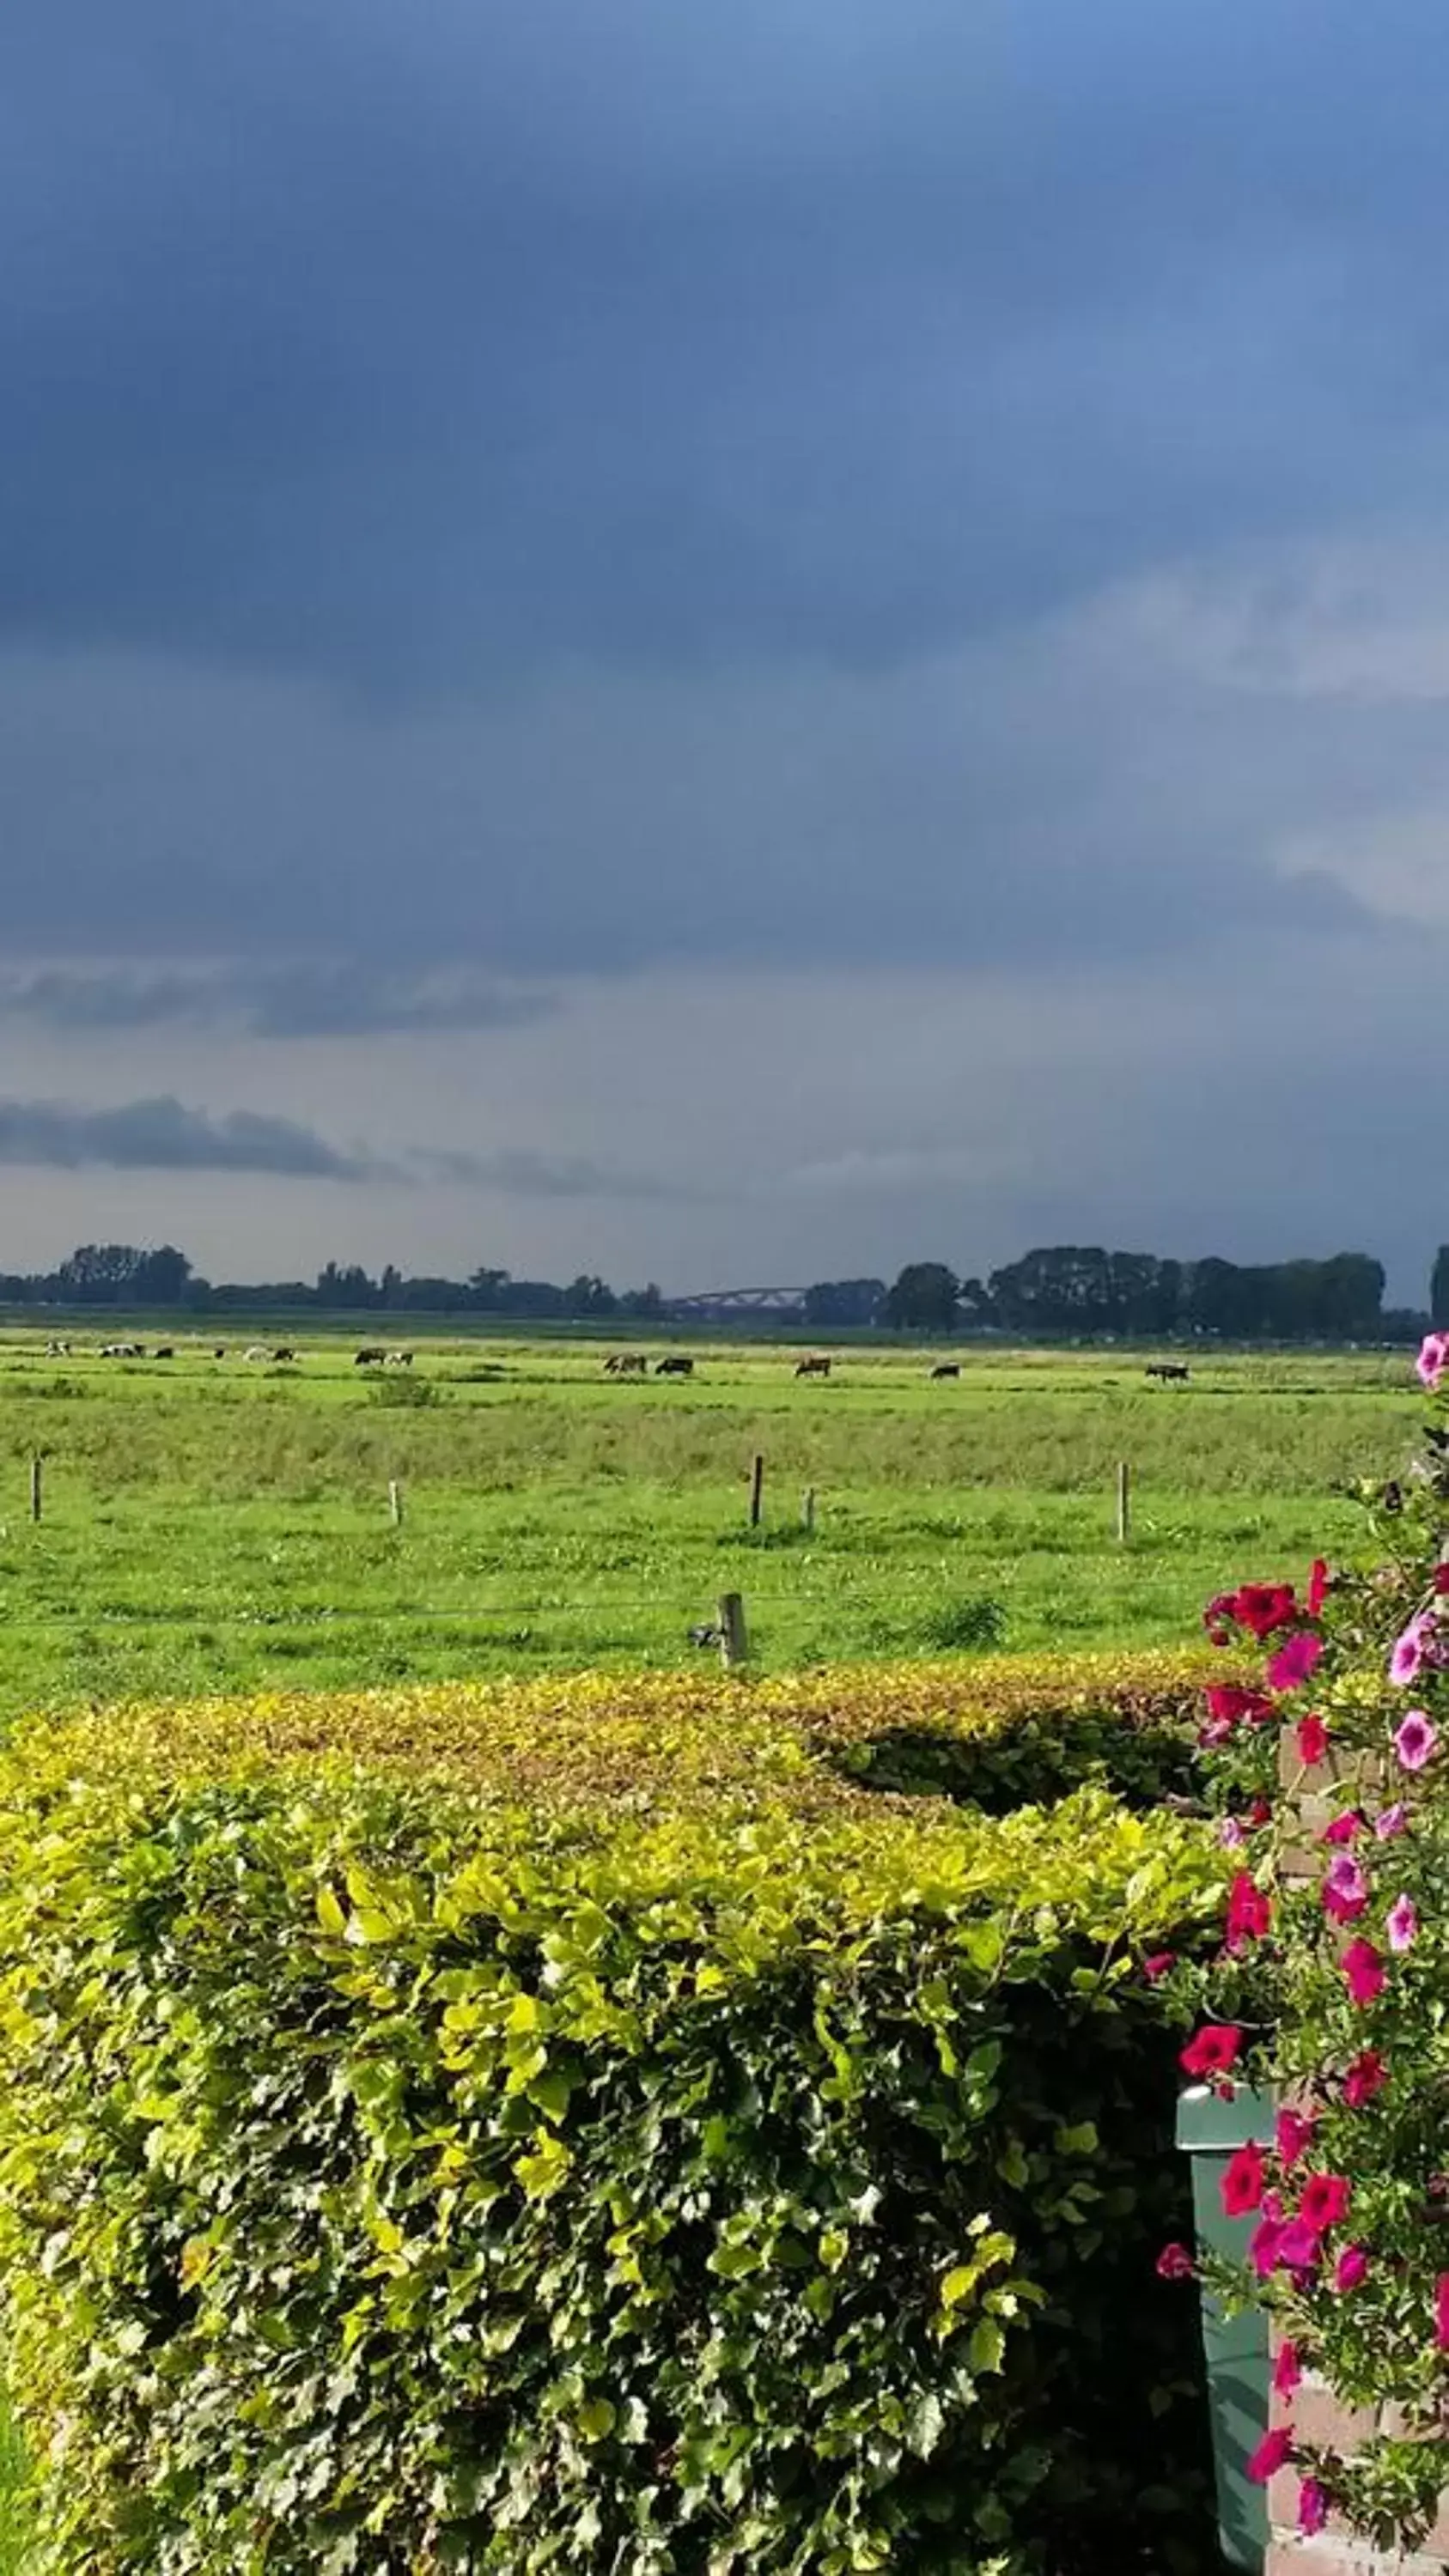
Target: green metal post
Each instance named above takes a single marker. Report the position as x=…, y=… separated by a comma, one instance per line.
x=1209, y=2128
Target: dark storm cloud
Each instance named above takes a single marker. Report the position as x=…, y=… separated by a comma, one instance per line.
x=487, y=484
x=163, y=1135
x=397, y=343
x=296, y=999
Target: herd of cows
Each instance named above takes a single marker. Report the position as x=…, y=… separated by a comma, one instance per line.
x=370, y=1358
x=619, y=1364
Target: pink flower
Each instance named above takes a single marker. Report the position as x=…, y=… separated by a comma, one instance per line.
x=1231, y=1834
x=1312, y=1740
x=1213, y=2050
x=1402, y=1923
x=1242, y=2182
x=1363, y=1971
x=1312, y=2506
x=1266, y=2238
x=1158, y=1965
x=1345, y=1889
x=1415, y=1740
x=1367, y=2076
x=1287, y=2371
x=1299, y=2247
x=1441, y=2312
x=1175, y=2263
x=1344, y=1829
x=1270, y=2455
x=1295, y=1661
x=1433, y=1359
x=1293, y=2132
x=1250, y=1913
x=1394, y=1820
x=1351, y=2268
x=1413, y=1649
x=1317, y=1587
x=1325, y=2200
x=1230, y=1706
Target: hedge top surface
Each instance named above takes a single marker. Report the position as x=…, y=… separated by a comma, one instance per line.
x=660, y=1786
x=609, y=1741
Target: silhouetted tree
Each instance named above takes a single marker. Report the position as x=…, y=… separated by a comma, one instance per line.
x=923, y=1299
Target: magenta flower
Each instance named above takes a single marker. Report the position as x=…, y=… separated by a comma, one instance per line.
x=1344, y=1829
x=1402, y=1923
x=1394, y=1820
x=1345, y=1889
x=1363, y=1971
x=1266, y=2239
x=1175, y=2263
x=1441, y=2312
x=1366, y=2077
x=1325, y=2200
x=1351, y=2268
x=1312, y=1740
x=1270, y=2455
x=1416, y=1739
x=1250, y=1913
x=1159, y=1965
x=1413, y=1649
x=1293, y=2132
x=1312, y=2507
x=1295, y=1662
x=1299, y=2247
x=1287, y=2371
x=1433, y=1359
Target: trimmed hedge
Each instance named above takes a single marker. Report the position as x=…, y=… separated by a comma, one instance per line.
x=426, y=2142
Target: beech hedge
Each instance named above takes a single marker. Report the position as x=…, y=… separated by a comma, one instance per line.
x=584, y=2127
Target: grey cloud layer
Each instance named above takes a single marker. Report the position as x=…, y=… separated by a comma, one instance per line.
x=306, y=998
x=162, y=1135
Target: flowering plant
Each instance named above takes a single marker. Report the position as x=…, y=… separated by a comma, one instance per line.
x=1329, y=1774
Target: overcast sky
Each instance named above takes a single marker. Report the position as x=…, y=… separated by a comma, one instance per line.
x=726, y=644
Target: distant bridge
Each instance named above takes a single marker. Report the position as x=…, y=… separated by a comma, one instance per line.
x=737, y=1301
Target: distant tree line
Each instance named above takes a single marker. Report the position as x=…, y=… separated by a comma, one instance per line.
x=1081, y=1290
x=1060, y=1290
x=121, y=1275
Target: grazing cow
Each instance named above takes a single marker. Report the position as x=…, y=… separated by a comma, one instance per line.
x=123, y=1351
x=57, y=1350
x=626, y=1364
x=1166, y=1370
x=370, y=1358
x=945, y=1368
x=818, y=1366
x=284, y=1355
x=257, y=1351
x=398, y=1359
x=163, y=1351
x=219, y=1351
x=674, y=1366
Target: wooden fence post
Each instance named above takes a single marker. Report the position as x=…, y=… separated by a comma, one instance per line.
x=1124, y=1503
x=395, y=1502
x=37, y=1487
x=757, y=1492
x=807, y=1510
x=733, y=1644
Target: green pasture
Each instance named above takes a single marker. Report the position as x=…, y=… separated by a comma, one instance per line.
x=219, y=1524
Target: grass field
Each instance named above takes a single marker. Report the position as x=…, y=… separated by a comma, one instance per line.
x=217, y=1524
